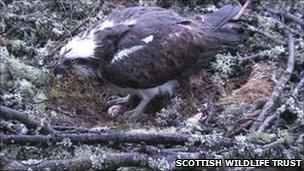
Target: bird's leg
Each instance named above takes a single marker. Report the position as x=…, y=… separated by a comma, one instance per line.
x=135, y=113
x=127, y=101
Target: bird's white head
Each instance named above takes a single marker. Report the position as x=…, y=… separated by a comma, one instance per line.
x=87, y=53
x=78, y=55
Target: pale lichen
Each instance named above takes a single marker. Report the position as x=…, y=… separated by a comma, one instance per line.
x=18, y=69
x=18, y=45
x=192, y=124
x=31, y=161
x=261, y=137
x=82, y=151
x=225, y=63
x=287, y=137
x=66, y=142
x=98, y=161
x=40, y=100
x=160, y=164
x=25, y=88
x=171, y=115
x=274, y=52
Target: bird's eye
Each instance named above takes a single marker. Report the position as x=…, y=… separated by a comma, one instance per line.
x=73, y=61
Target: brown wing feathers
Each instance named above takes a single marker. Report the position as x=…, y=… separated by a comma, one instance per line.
x=176, y=44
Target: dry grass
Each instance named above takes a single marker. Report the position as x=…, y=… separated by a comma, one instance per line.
x=258, y=86
x=78, y=100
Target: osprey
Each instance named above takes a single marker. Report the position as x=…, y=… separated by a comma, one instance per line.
x=144, y=49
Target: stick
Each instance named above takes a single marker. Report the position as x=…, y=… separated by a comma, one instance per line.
x=153, y=159
x=269, y=119
x=286, y=15
x=107, y=161
x=266, y=35
x=242, y=10
x=116, y=137
x=298, y=87
x=6, y=127
x=279, y=86
x=285, y=27
x=11, y=114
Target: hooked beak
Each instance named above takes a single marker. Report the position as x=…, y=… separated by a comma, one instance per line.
x=61, y=69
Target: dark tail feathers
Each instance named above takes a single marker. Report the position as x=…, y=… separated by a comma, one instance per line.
x=222, y=16
x=225, y=30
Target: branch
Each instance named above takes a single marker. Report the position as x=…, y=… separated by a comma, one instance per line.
x=242, y=10
x=282, y=26
x=298, y=87
x=6, y=127
x=116, y=137
x=155, y=159
x=61, y=41
x=269, y=119
x=11, y=114
x=279, y=86
x=106, y=161
x=286, y=15
x=266, y=35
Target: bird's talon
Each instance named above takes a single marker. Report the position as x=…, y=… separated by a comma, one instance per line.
x=126, y=101
x=118, y=101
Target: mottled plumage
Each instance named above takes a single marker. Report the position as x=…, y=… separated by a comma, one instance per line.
x=144, y=49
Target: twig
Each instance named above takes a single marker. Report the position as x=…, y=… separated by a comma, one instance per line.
x=11, y=114
x=269, y=119
x=285, y=27
x=279, y=86
x=286, y=15
x=106, y=161
x=246, y=124
x=72, y=33
x=266, y=35
x=3, y=4
x=26, y=18
x=6, y=127
x=116, y=137
x=298, y=87
x=242, y=10
x=275, y=143
x=246, y=59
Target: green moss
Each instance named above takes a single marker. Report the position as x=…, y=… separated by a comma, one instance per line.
x=18, y=45
x=286, y=136
x=40, y=100
x=261, y=137
x=26, y=88
x=21, y=70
